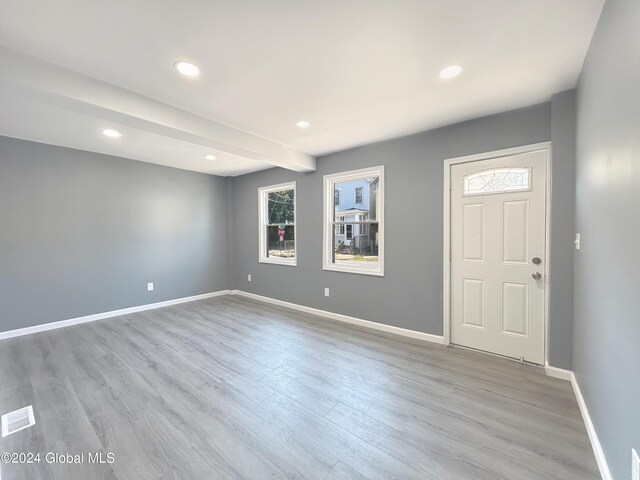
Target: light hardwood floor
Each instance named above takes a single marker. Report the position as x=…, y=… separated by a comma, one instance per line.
x=231, y=388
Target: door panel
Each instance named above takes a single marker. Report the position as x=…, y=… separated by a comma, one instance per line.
x=473, y=235
x=497, y=227
x=515, y=228
x=515, y=308
x=473, y=303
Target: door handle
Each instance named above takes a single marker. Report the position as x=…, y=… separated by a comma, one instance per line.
x=537, y=275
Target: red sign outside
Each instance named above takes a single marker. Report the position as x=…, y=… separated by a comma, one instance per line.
x=281, y=233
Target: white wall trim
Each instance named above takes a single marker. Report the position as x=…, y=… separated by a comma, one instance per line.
x=569, y=376
x=560, y=373
x=345, y=318
x=99, y=316
x=446, y=274
x=591, y=431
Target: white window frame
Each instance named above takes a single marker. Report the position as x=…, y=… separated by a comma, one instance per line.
x=328, y=220
x=263, y=217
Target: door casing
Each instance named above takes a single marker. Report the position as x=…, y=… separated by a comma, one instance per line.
x=447, y=232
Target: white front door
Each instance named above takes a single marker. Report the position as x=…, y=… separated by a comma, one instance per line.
x=498, y=255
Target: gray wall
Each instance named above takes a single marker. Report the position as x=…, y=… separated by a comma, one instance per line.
x=563, y=140
x=410, y=293
x=82, y=233
x=85, y=232
x=606, y=345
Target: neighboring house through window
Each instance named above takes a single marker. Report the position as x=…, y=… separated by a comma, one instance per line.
x=277, y=223
x=353, y=238
x=364, y=227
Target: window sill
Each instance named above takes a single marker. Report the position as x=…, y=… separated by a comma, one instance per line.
x=358, y=271
x=292, y=263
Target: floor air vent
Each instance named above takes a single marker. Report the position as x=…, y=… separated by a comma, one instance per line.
x=18, y=420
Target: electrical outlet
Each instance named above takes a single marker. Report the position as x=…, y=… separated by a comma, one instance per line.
x=326, y=292
x=249, y=278
x=150, y=287
x=635, y=465
x=576, y=242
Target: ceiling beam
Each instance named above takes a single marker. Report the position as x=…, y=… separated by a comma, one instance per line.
x=75, y=92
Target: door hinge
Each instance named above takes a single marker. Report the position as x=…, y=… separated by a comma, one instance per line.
x=450, y=255
x=450, y=185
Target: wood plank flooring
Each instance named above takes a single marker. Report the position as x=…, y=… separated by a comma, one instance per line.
x=231, y=388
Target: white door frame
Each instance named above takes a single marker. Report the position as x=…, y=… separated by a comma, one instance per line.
x=448, y=163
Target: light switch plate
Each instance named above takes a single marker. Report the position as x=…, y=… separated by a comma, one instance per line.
x=576, y=242
x=635, y=465
x=150, y=287
x=326, y=292
x=249, y=278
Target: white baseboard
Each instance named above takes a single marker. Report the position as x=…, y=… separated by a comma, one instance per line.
x=99, y=316
x=560, y=373
x=345, y=318
x=591, y=431
x=569, y=376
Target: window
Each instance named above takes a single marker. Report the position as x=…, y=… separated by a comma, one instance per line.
x=337, y=197
x=496, y=180
x=354, y=235
x=277, y=217
x=358, y=194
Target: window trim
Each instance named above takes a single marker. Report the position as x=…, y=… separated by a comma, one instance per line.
x=328, y=212
x=263, y=193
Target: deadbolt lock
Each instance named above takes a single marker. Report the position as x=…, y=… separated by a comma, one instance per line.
x=536, y=260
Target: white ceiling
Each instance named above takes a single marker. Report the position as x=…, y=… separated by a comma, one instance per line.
x=359, y=70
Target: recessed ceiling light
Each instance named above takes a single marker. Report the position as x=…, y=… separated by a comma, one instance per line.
x=109, y=132
x=186, y=68
x=210, y=157
x=450, y=72
x=303, y=124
